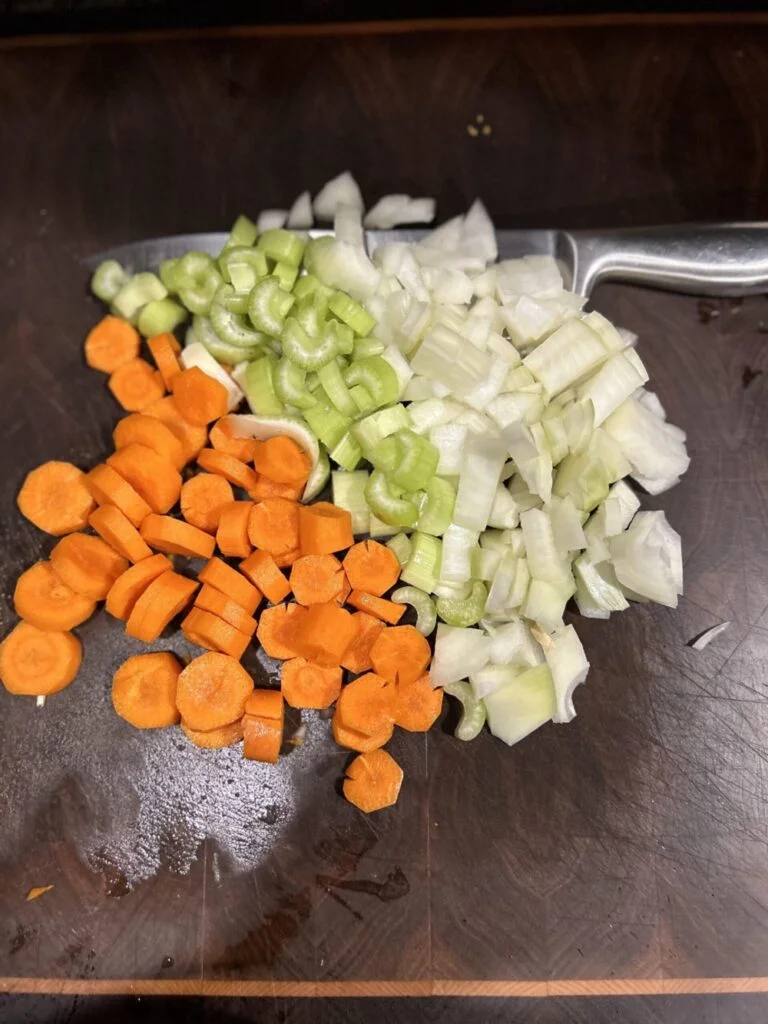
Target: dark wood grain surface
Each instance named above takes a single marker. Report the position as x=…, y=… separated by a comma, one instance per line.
x=625, y=853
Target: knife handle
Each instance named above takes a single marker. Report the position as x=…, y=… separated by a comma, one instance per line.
x=696, y=259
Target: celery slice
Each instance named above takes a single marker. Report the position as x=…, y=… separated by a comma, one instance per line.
x=422, y=603
x=108, y=278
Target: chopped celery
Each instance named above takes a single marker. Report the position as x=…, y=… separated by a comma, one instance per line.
x=330, y=376
x=436, y=509
x=527, y=703
x=167, y=273
x=345, y=337
x=160, y=316
x=306, y=351
x=291, y=386
x=197, y=280
x=311, y=315
x=473, y=713
x=202, y=331
x=327, y=422
x=379, y=528
x=387, y=504
x=308, y=285
x=365, y=347
x=243, y=232
x=401, y=545
x=108, y=278
x=268, y=307
x=467, y=612
x=242, y=267
x=352, y=313
x=232, y=327
x=136, y=293
x=260, y=387
x=415, y=460
x=282, y=246
x=423, y=565
x=347, y=453
x=371, y=430
x=285, y=275
x=377, y=377
x=362, y=400
x=424, y=606
x=349, y=493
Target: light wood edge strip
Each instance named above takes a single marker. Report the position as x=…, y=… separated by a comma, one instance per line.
x=383, y=989
x=354, y=28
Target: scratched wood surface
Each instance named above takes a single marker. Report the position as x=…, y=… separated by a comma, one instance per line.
x=625, y=850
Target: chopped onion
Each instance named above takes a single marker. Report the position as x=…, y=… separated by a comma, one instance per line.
x=339, y=191
x=704, y=639
x=300, y=214
x=459, y=652
x=392, y=210
x=569, y=667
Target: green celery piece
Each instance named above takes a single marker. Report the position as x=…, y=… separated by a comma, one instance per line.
x=401, y=545
x=282, y=246
x=426, y=612
x=365, y=347
x=436, y=512
x=362, y=400
x=230, y=326
x=203, y=332
x=242, y=267
x=260, y=387
x=386, y=504
x=352, y=313
x=423, y=566
x=108, y=278
x=308, y=352
x=197, y=280
x=291, y=386
x=309, y=285
x=285, y=275
x=473, y=713
x=243, y=232
x=269, y=306
x=345, y=338
x=330, y=376
x=327, y=422
x=466, y=612
x=377, y=377
x=160, y=317
x=347, y=453
x=416, y=460
x=136, y=293
x=167, y=273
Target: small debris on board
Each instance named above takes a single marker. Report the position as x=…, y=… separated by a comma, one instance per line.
x=698, y=643
x=479, y=127
x=37, y=891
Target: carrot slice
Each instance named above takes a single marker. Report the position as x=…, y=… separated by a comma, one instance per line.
x=212, y=692
x=354, y=740
x=400, y=654
x=288, y=558
x=207, y=630
x=136, y=385
x=202, y=499
x=387, y=611
x=371, y=567
x=324, y=528
x=138, y=428
x=154, y=477
x=199, y=398
x=317, y=579
x=373, y=781
x=229, y=467
x=212, y=600
x=277, y=629
x=164, y=533
x=119, y=532
x=274, y=526
x=221, y=438
x=367, y=704
x=266, y=704
x=305, y=685
x=265, y=488
x=45, y=601
x=418, y=704
x=144, y=690
x=162, y=600
x=109, y=488
x=282, y=460
x=55, y=497
x=192, y=438
x=165, y=350
x=323, y=634
x=128, y=588
x=214, y=739
x=110, y=344
x=262, y=739
x=358, y=655
x=87, y=565
x=262, y=570
x=232, y=534
x=230, y=582
x=34, y=662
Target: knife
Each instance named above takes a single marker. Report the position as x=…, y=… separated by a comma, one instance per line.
x=695, y=259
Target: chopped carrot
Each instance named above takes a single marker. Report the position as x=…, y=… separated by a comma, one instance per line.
x=262, y=570
x=138, y=428
x=199, y=398
x=214, y=739
x=136, y=385
x=35, y=662
x=144, y=690
x=55, y=497
x=232, y=533
x=202, y=499
x=212, y=692
x=119, y=532
x=354, y=740
x=109, y=488
x=154, y=477
x=162, y=600
x=316, y=579
x=87, y=565
x=263, y=725
x=192, y=438
x=222, y=439
x=274, y=525
x=165, y=350
x=266, y=704
x=371, y=567
x=324, y=529
x=229, y=581
x=387, y=611
x=400, y=654
x=323, y=634
x=373, y=781
x=277, y=629
x=305, y=685
x=164, y=533
x=287, y=558
x=418, y=704
x=128, y=588
x=110, y=344
x=207, y=630
x=212, y=600
x=232, y=469
x=44, y=600
x=367, y=704
x=358, y=655
x=282, y=460
x=265, y=488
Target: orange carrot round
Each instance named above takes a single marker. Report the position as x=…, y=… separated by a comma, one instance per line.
x=354, y=740
x=138, y=428
x=199, y=398
x=263, y=572
x=274, y=525
x=277, y=628
x=232, y=469
x=56, y=498
x=211, y=600
x=87, y=565
x=324, y=529
x=136, y=385
x=305, y=685
x=387, y=611
x=229, y=581
x=418, y=704
x=154, y=477
x=202, y=499
x=144, y=690
x=264, y=488
x=221, y=438
x=280, y=459
x=128, y=588
x=109, y=488
x=262, y=739
x=323, y=634
x=214, y=739
x=287, y=558
x=207, y=630
x=317, y=579
x=110, y=344
x=232, y=533
x=212, y=692
x=162, y=600
x=164, y=533
x=165, y=350
x=373, y=781
x=191, y=437
x=266, y=704
x=44, y=600
x=118, y=531
x=400, y=654
x=371, y=567
x=367, y=704
x=34, y=662
x=357, y=657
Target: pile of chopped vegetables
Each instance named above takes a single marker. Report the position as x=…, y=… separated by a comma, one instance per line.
x=474, y=416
